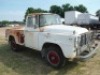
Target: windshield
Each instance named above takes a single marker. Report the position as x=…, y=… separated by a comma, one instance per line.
x=50, y=19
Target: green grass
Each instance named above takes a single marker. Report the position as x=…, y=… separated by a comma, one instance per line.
x=29, y=62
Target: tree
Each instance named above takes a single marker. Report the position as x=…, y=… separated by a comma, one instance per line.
x=4, y=22
x=81, y=8
x=66, y=7
x=56, y=9
x=98, y=13
x=28, y=11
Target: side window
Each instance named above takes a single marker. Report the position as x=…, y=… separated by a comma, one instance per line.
x=32, y=22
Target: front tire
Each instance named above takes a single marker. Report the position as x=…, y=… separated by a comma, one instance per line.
x=54, y=57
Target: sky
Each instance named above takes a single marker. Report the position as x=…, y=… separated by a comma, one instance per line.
x=14, y=10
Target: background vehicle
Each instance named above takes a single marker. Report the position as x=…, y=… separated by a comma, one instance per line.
x=82, y=19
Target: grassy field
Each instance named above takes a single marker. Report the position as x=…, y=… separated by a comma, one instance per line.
x=29, y=62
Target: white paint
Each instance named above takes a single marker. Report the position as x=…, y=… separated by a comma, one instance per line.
x=71, y=17
x=78, y=18
x=66, y=30
x=31, y=39
x=87, y=19
x=57, y=34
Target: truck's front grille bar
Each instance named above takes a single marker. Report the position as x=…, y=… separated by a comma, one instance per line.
x=86, y=38
x=83, y=40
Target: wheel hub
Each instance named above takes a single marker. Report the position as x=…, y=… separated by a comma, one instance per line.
x=53, y=58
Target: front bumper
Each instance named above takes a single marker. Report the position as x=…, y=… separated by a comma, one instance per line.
x=87, y=54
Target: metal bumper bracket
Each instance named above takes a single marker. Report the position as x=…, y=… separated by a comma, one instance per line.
x=88, y=54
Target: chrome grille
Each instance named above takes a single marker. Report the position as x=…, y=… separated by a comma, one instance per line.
x=83, y=40
x=86, y=38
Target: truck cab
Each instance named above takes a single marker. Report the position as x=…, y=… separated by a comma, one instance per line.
x=44, y=32
x=35, y=26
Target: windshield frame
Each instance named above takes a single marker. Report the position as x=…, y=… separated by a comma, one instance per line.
x=56, y=16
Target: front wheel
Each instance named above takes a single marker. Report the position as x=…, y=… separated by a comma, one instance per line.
x=54, y=57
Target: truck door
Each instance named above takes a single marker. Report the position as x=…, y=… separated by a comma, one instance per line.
x=31, y=32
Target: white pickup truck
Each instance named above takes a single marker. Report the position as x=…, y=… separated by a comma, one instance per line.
x=56, y=42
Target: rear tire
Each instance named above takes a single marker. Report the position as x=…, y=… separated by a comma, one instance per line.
x=54, y=57
x=13, y=44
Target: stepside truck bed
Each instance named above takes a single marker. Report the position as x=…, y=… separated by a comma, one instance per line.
x=17, y=33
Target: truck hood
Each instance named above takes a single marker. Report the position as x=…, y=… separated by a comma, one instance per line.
x=65, y=29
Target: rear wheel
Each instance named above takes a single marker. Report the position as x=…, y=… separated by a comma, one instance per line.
x=54, y=57
x=13, y=44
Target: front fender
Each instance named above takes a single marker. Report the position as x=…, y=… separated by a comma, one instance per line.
x=66, y=43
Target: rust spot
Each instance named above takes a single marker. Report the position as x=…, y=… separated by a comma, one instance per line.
x=18, y=33
x=20, y=37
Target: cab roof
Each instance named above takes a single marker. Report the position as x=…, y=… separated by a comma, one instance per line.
x=38, y=14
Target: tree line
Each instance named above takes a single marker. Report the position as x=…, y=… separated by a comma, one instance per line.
x=5, y=23
x=58, y=9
